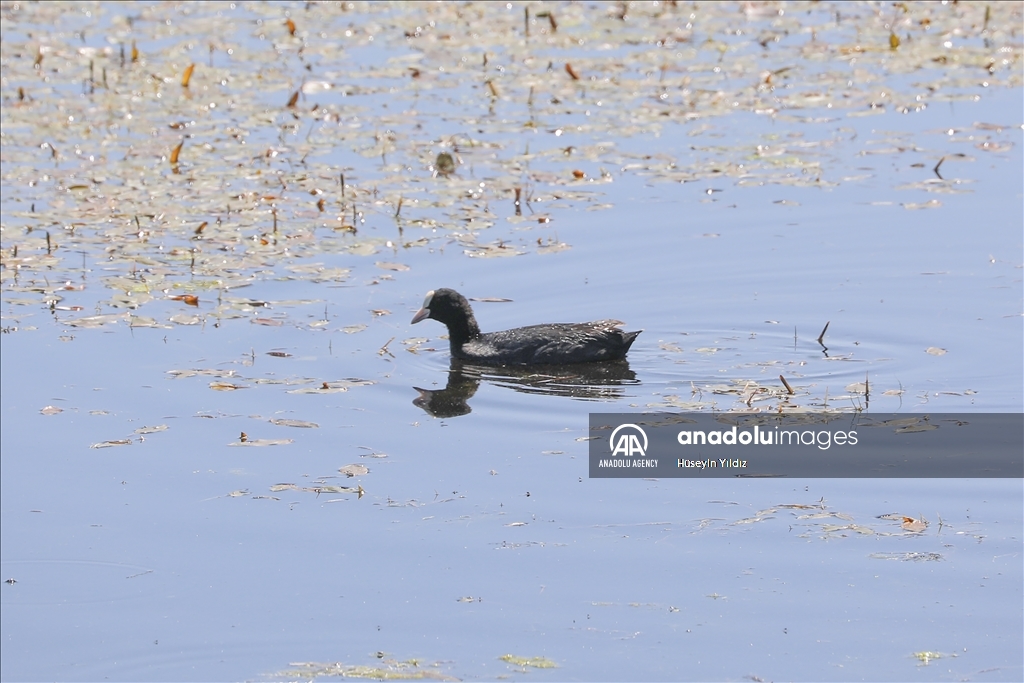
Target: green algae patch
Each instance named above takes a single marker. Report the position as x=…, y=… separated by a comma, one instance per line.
x=535, y=662
x=925, y=657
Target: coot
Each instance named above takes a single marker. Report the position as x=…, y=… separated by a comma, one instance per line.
x=554, y=343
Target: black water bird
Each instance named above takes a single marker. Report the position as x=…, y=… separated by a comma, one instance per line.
x=550, y=344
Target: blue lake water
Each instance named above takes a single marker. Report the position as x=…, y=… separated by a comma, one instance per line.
x=476, y=532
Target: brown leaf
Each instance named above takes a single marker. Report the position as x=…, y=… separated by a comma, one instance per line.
x=915, y=525
x=226, y=386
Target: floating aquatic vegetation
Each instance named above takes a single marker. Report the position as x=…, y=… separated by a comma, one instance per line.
x=282, y=422
x=388, y=669
x=925, y=657
x=226, y=386
x=209, y=372
x=333, y=387
x=354, y=470
x=908, y=557
x=109, y=444
x=319, y=488
x=260, y=442
x=179, y=172
x=533, y=662
x=151, y=430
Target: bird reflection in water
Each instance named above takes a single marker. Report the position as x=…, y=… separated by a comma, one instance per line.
x=585, y=381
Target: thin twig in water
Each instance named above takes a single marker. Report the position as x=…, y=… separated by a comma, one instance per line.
x=822, y=335
x=935, y=170
x=384, y=349
x=788, y=388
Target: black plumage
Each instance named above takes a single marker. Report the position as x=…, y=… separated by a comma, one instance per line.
x=550, y=344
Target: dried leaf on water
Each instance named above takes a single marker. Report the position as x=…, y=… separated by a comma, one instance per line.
x=109, y=444
x=914, y=525
x=142, y=321
x=397, y=267
x=335, y=489
x=354, y=470
x=294, y=423
x=95, y=321
x=262, y=442
x=226, y=386
x=908, y=557
x=189, y=299
x=209, y=372
x=151, y=430
x=930, y=204
x=333, y=386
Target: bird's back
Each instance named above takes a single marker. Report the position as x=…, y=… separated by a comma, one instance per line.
x=552, y=343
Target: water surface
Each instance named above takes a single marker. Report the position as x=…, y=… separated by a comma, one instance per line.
x=735, y=197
